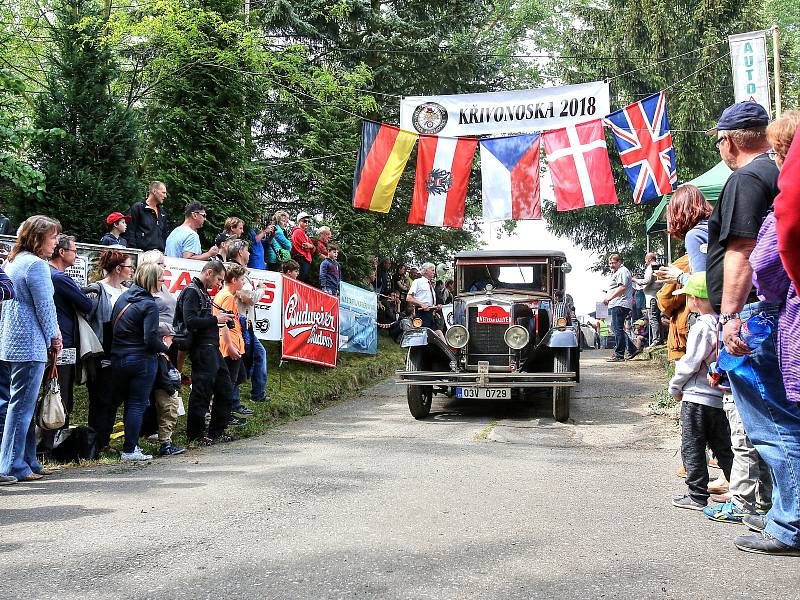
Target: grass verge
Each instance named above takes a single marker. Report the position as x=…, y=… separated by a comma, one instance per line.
x=297, y=389
x=663, y=402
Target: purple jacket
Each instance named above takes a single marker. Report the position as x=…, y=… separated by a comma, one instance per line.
x=773, y=285
x=6, y=287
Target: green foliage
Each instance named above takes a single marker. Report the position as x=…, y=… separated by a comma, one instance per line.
x=786, y=15
x=90, y=169
x=640, y=35
x=390, y=48
x=196, y=105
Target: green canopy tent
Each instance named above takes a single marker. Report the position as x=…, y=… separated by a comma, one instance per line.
x=710, y=183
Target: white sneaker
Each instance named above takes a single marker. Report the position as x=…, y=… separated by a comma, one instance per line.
x=136, y=455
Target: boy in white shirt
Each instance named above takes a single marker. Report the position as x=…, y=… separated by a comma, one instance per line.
x=703, y=420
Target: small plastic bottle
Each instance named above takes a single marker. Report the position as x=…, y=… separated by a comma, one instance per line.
x=754, y=331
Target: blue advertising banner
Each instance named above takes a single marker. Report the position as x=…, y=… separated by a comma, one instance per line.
x=358, y=313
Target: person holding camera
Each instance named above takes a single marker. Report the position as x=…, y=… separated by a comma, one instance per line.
x=210, y=376
x=231, y=338
x=650, y=286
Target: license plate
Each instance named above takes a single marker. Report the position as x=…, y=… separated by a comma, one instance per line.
x=414, y=337
x=484, y=393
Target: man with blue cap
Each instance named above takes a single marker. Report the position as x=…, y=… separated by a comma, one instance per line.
x=760, y=408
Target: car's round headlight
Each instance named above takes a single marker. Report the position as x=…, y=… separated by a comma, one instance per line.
x=516, y=337
x=457, y=336
x=561, y=322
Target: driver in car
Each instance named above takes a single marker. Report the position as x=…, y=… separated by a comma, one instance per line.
x=492, y=278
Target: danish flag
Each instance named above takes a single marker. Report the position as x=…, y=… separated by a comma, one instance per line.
x=579, y=167
x=641, y=132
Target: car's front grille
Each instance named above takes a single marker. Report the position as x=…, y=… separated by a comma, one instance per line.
x=486, y=341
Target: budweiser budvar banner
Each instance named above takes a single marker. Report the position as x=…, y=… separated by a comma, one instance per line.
x=310, y=324
x=518, y=111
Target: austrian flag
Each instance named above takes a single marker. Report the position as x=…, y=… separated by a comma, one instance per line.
x=578, y=160
x=440, y=190
x=641, y=132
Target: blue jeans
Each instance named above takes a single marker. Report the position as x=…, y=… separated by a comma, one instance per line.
x=618, y=316
x=258, y=372
x=19, y=388
x=134, y=376
x=773, y=425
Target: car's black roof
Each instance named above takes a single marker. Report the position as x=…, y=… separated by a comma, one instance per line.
x=511, y=254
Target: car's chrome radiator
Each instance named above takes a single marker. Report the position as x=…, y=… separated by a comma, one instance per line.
x=486, y=341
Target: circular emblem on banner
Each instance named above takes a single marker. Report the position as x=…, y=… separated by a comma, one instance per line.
x=429, y=117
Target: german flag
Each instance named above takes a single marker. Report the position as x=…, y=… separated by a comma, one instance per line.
x=383, y=156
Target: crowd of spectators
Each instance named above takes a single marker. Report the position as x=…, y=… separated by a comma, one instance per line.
x=126, y=337
x=739, y=392
x=731, y=308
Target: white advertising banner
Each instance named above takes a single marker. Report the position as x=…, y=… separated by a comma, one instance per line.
x=179, y=273
x=750, y=69
x=519, y=111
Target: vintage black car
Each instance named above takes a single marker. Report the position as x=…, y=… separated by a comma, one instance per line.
x=509, y=332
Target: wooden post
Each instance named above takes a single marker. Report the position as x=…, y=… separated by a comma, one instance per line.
x=669, y=249
x=776, y=63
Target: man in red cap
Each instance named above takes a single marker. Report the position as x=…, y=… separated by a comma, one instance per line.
x=117, y=225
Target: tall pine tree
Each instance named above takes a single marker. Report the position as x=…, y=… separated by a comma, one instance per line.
x=89, y=171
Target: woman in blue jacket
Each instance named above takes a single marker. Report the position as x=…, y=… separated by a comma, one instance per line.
x=134, y=352
x=281, y=239
x=28, y=329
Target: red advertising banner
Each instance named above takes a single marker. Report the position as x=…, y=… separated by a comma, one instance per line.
x=310, y=324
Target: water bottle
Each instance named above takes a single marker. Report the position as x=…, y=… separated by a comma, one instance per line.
x=754, y=331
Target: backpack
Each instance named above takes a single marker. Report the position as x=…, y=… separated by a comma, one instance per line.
x=183, y=337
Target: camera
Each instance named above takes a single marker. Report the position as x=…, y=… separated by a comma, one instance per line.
x=656, y=266
x=230, y=324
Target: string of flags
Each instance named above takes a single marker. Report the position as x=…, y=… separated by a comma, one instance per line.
x=577, y=157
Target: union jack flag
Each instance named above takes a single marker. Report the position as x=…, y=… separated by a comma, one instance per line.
x=641, y=132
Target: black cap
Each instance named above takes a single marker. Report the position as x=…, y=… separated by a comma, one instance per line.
x=222, y=237
x=742, y=115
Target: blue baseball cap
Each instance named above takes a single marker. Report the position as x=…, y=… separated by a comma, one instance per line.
x=742, y=115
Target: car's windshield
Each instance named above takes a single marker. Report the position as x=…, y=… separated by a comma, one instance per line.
x=519, y=276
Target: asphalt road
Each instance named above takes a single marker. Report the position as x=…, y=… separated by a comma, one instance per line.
x=362, y=501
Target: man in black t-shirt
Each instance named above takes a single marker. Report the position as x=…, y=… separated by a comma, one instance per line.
x=760, y=408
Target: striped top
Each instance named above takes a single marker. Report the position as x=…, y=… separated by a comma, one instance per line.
x=773, y=285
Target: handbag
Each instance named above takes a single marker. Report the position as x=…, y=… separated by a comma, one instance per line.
x=282, y=254
x=51, y=410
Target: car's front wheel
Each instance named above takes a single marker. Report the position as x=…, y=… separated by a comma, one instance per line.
x=420, y=397
x=561, y=395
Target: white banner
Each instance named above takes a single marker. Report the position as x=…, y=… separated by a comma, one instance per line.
x=750, y=69
x=519, y=111
x=179, y=273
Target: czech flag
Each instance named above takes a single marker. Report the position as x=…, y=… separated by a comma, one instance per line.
x=440, y=190
x=510, y=178
x=381, y=160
